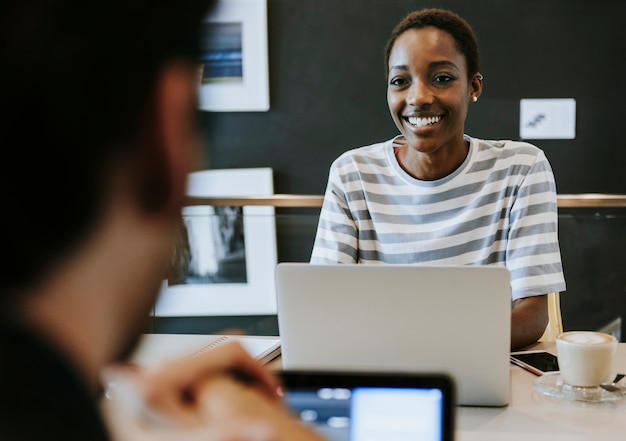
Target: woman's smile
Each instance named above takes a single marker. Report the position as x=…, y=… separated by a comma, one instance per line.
x=418, y=122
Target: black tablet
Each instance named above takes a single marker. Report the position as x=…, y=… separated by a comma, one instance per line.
x=349, y=406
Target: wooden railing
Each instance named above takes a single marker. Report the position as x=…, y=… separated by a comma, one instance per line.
x=586, y=200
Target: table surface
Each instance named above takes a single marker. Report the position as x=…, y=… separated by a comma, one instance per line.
x=534, y=416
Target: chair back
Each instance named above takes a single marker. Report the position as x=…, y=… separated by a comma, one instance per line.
x=555, y=322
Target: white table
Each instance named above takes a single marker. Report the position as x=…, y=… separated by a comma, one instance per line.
x=533, y=416
x=530, y=416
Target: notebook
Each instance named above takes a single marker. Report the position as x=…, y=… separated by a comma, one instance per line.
x=156, y=348
x=350, y=406
x=415, y=318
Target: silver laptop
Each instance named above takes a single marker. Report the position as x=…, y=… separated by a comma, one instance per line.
x=414, y=318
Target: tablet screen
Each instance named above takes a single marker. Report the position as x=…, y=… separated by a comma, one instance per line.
x=350, y=407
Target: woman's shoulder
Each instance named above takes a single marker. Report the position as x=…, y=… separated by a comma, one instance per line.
x=507, y=150
x=365, y=154
x=508, y=145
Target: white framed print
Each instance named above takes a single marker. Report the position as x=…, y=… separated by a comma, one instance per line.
x=224, y=264
x=547, y=118
x=234, y=57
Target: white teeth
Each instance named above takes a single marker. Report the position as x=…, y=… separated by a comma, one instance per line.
x=421, y=122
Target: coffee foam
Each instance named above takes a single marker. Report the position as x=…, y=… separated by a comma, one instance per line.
x=586, y=338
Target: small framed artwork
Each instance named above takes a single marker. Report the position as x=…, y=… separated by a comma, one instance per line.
x=234, y=61
x=225, y=258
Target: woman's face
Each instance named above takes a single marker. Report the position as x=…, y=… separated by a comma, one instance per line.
x=428, y=91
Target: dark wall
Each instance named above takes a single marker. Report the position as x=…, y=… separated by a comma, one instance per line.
x=328, y=94
x=328, y=89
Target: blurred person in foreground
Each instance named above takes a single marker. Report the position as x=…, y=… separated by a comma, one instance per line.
x=98, y=131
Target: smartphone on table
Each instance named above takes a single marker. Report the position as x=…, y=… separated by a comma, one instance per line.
x=538, y=362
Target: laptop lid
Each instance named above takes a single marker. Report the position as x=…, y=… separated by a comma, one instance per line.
x=415, y=318
x=350, y=406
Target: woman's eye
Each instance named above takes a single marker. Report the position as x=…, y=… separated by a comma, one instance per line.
x=443, y=78
x=397, y=81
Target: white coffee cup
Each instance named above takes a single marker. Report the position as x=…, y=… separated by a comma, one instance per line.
x=586, y=358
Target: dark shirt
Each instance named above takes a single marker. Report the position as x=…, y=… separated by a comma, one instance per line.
x=42, y=396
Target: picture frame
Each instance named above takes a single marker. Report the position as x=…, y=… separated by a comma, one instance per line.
x=256, y=295
x=234, y=64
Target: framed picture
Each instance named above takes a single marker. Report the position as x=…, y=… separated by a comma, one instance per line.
x=224, y=263
x=234, y=64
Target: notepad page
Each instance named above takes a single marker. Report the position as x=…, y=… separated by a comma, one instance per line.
x=156, y=348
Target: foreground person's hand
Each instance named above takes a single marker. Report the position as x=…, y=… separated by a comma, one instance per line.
x=170, y=395
x=226, y=409
x=172, y=388
x=224, y=401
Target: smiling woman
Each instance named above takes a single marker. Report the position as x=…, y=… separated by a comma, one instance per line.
x=434, y=194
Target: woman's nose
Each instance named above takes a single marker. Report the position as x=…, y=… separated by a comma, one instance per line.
x=419, y=94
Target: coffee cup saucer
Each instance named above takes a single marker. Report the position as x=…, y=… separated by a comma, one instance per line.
x=553, y=385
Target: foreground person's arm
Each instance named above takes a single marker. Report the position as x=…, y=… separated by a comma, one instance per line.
x=174, y=388
x=223, y=394
x=227, y=403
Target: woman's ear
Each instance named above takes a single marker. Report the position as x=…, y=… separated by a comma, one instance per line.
x=476, y=87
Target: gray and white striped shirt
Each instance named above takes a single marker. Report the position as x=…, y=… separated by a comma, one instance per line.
x=498, y=208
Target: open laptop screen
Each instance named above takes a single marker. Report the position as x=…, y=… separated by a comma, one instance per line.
x=372, y=406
